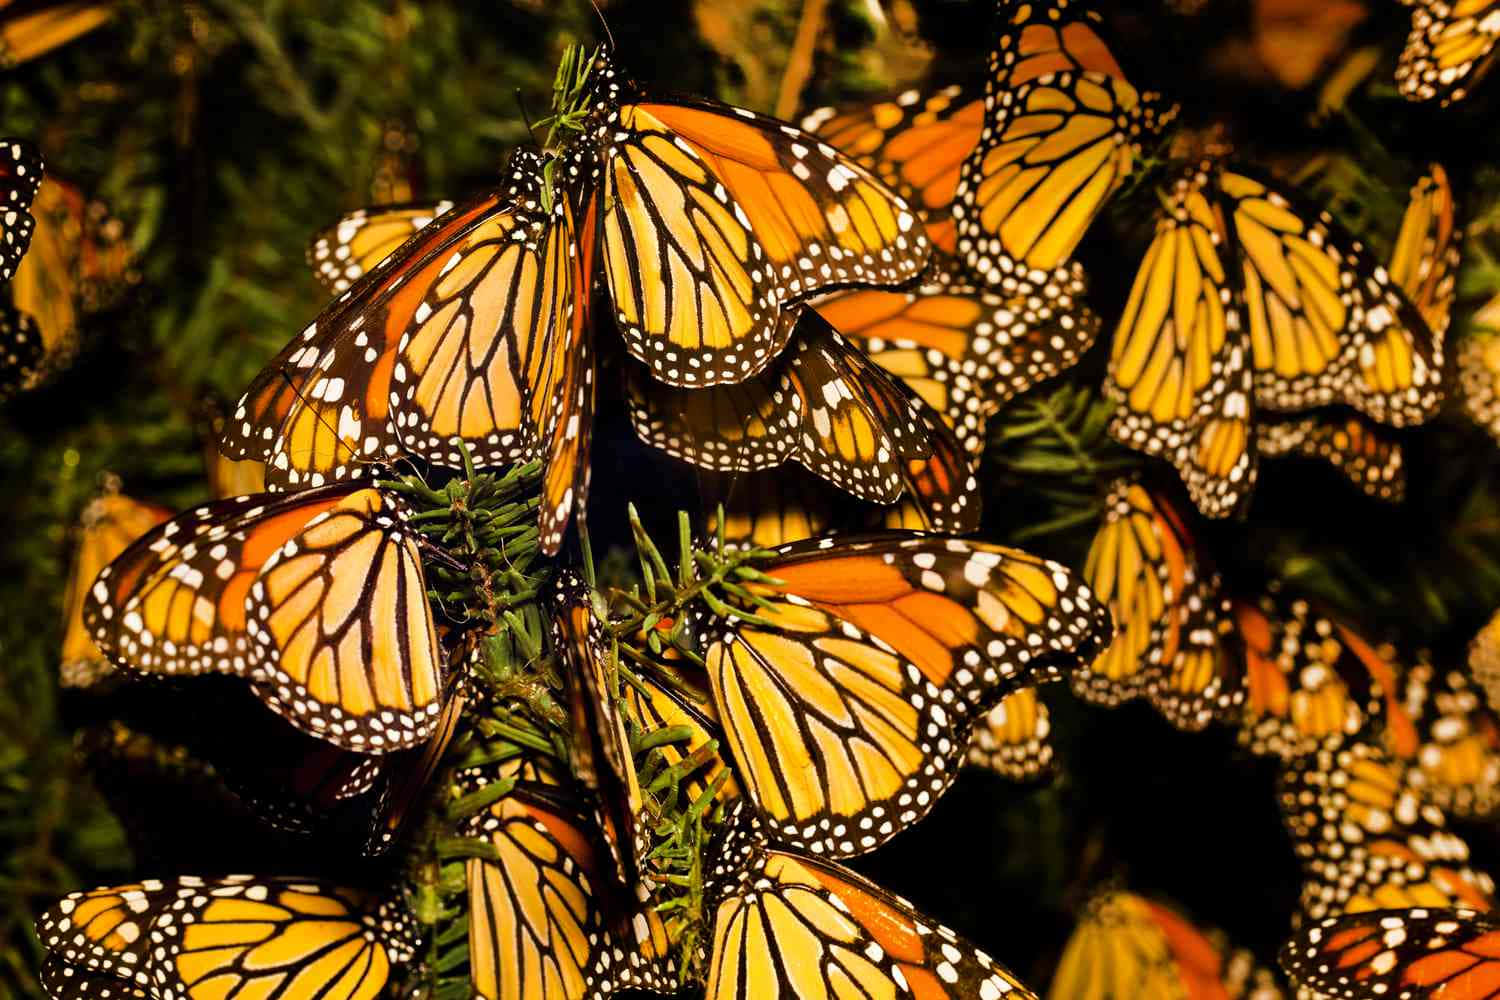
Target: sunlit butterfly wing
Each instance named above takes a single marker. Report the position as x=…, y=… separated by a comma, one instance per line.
x=1366, y=840
x=276, y=936
x=817, y=929
x=541, y=926
x=226, y=477
x=108, y=526
x=61, y=980
x=1421, y=953
x=915, y=142
x=1311, y=681
x=963, y=350
x=105, y=931
x=344, y=252
x=32, y=28
x=1368, y=457
x=316, y=597
x=599, y=751
x=1450, y=49
x=1014, y=738
x=20, y=175
x=848, y=706
x=1326, y=322
x=823, y=405
x=1127, y=946
x=409, y=782
x=1456, y=760
x=1427, y=252
x=939, y=492
x=1062, y=129
x=716, y=218
x=1179, y=367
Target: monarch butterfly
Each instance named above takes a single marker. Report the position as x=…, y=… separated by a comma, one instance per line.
x=541, y=921
x=1062, y=129
x=32, y=28
x=599, y=752
x=1484, y=659
x=417, y=354
x=1311, y=681
x=1479, y=369
x=1450, y=49
x=110, y=523
x=226, y=477
x=1367, y=841
x=716, y=219
x=914, y=142
x=822, y=405
x=783, y=917
x=317, y=598
x=237, y=935
x=1179, y=366
x=964, y=351
x=78, y=262
x=1128, y=947
x=1014, y=738
x=1171, y=644
x=1456, y=759
x=350, y=248
x=20, y=176
x=1418, y=953
x=1369, y=457
x=1322, y=323
x=847, y=702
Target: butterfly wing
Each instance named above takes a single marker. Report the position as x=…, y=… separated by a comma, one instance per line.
x=109, y=525
x=963, y=351
x=600, y=753
x=823, y=405
x=1455, y=759
x=1137, y=567
x=1449, y=50
x=767, y=509
x=848, y=705
x=33, y=30
x=1411, y=953
x=1178, y=367
x=291, y=938
x=1425, y=259
x=914, y=142
x=657, y=700
x=808, y=928
x=1204, y=680
x=1367, y=456
x=717, y=218
x=1326, y=322
x=1479, y=374
x=346, y=251
x=105, y=931
x=62, y=980
x=1062, y=129
x=1013, y=738
x=939, y=492
x=538, y=927
x=22, y=352
x=316, y=597
x=20, y=176
x=1366, y=840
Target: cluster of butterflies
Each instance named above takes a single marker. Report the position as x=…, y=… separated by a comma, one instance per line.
x=858, y=297
x=62, y=257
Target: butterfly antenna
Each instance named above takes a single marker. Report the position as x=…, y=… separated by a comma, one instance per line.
x=526, y=119
x=607, y=33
